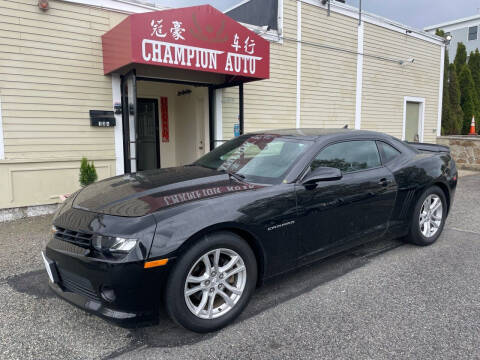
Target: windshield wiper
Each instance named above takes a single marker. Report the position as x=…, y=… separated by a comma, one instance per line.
x=236, y=176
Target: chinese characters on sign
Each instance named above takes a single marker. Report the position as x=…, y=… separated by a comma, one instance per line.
x=237, y=62
x=249, y=46
x=157, y=28
x=177, y=30
x=235, y=43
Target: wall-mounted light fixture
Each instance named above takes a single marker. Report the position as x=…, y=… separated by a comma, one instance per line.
x=448, y=38
x=43, y=5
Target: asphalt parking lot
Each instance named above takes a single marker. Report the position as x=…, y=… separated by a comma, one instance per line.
x=381, y=301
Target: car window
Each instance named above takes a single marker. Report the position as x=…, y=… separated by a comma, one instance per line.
x=389, y=152
x=261, y=158
x=349, y=156
x=251, y=150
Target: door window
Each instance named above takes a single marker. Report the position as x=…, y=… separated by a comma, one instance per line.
x=349, y=156
x=148, y=146
x=389, y=152
x=412, y=119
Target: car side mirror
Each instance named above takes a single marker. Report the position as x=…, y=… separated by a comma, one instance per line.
x=322, y=174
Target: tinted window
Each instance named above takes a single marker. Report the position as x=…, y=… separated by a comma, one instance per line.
x=389, y=152
x=349, y=156
x=472, y=32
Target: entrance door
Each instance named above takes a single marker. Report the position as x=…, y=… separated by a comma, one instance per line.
x=412, y=121
x=147, y=129
x=191, y=113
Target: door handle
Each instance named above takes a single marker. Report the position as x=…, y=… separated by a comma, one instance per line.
x=383, y=182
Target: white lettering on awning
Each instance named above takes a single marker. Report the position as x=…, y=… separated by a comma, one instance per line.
x=238, y=62
x=164, y=52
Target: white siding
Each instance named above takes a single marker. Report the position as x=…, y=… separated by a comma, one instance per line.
x=385, y=83
x=51, y=75
x=328, y=75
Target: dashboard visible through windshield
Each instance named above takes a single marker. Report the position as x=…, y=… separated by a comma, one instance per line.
x=261, y=158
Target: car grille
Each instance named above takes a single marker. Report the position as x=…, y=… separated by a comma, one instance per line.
x=77, y=284
x=75, y=237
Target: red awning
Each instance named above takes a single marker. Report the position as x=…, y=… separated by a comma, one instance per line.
x=198, y=38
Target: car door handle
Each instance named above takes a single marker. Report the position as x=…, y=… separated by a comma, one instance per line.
x=384, y=182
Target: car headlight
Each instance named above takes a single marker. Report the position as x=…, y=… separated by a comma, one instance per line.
x=113, y=244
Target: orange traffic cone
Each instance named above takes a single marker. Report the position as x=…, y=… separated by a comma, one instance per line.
x=472, y=127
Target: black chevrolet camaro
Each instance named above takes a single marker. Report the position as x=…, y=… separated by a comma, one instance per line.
x=198, y=239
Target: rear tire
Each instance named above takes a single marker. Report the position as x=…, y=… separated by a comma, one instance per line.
x=211, y=283
x=428, y=218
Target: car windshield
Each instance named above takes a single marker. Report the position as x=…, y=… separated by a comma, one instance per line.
x=257, y=158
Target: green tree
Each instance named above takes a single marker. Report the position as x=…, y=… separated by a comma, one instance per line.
x=454, y=123
x=447, y=128
x=460, y=57
x=88, y=173
x=468, y=98
x=440, y=32
x=474, y=64
x=446, y=96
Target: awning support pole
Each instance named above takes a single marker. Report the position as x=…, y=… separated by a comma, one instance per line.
x=211, y=117
x=240, y=110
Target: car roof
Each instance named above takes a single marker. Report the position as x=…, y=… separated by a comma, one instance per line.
x=320, y=133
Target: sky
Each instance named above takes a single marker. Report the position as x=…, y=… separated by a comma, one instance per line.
x=415, y=13
x=420, y=13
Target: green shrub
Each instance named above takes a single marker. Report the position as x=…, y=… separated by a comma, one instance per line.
x=88, y=174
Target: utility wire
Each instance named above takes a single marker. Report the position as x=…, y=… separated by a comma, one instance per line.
x=330, y=47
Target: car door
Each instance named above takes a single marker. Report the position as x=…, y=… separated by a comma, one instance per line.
x=343, y=212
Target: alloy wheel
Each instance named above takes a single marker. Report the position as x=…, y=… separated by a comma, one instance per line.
x=215, y=283
x=431, y=215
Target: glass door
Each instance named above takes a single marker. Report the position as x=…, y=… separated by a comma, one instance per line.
x=148, y=133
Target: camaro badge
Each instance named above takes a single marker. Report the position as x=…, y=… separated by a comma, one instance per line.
x=274, y=227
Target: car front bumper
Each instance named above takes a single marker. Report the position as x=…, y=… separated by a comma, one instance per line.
x=80, y=279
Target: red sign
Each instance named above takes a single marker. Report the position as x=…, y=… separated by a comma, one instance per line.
x=197, y=38
x=164, y=109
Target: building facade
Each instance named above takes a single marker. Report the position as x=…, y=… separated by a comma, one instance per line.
x=326, y=69
x=464, y=30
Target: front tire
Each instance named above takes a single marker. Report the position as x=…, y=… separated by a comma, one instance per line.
x=429, y=217
x=211, y=283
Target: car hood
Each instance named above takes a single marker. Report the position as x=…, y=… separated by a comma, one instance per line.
x=145, y=192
